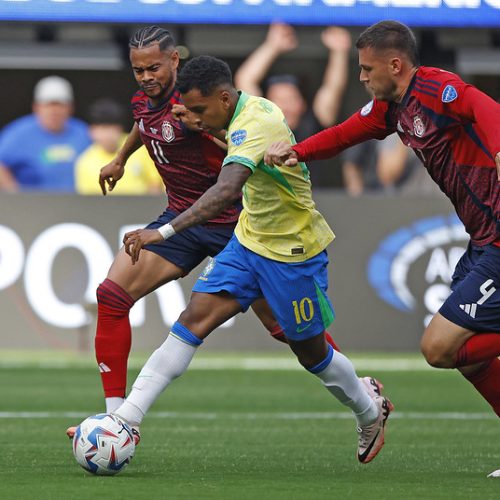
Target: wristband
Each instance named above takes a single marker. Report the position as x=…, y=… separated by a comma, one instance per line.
x=166, y=231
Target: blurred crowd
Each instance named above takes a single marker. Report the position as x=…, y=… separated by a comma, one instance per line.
x=50, y=150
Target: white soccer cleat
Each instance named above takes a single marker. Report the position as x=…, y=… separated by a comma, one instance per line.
x=495, y=473
x=372, y=386
x=371, y=437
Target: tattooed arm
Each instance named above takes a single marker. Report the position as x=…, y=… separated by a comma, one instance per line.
x=221, y=195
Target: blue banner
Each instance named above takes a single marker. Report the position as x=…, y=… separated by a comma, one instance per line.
x=432, y=13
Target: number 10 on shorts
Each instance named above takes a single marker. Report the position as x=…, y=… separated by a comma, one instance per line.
x=303, y=310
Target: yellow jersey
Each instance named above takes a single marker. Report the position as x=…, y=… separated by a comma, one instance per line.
x=279, y=219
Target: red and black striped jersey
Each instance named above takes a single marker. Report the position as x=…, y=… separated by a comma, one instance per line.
x=188, y=162
x=454, y=130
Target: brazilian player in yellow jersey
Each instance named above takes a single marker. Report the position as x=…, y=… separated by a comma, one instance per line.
x=279, y=219
x=277, y=252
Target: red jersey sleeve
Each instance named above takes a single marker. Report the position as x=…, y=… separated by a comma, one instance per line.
x=370, y=122
x=468, y=103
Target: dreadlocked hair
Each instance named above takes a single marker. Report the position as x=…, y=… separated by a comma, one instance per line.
x=150, y=35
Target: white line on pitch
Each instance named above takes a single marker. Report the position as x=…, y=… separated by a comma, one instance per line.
x=259, y=416
x=250, y=363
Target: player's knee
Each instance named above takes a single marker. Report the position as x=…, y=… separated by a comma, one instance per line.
x=436, y=353
x=197, y=321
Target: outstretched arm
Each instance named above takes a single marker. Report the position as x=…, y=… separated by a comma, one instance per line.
x=111, y=173
x=327, y=100
x=280, y=38
x=221, y=195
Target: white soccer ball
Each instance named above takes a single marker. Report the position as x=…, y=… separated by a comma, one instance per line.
x=103, y=444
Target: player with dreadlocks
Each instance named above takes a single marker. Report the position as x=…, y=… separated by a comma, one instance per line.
x=189, y=162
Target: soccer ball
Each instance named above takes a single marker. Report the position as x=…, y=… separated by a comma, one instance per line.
x=103, y=444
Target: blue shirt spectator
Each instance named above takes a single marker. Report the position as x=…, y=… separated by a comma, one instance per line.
x=38, y=151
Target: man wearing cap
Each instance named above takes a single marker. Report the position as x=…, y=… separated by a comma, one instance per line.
x=38, y=151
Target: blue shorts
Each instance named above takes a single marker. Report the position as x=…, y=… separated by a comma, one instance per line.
x=474, y=302
x=296, y=292
x=191, y=246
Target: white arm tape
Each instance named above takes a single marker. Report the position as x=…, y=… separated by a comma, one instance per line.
x=166, y=231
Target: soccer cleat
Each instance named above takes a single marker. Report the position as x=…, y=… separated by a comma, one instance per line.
x=70, y=432
x=372, y=386
x=371, y=437
x=495, y=473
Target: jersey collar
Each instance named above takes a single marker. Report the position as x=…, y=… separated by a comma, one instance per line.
x=404, y=101
x=163, y=102
x=239, y=106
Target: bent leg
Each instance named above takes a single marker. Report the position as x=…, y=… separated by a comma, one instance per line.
x=338, y=375
x=203, y=313
x=124, y=284
x=447, y=345
x=442, y=340
x=206, y=311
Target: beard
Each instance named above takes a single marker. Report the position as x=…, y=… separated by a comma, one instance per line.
x=159, y=90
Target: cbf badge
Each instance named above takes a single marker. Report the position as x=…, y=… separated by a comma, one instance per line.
x=418, y=126
x=238, y=137
x=208, y=269
x=167, y=131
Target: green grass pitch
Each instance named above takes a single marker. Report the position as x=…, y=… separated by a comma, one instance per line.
x=232, y=433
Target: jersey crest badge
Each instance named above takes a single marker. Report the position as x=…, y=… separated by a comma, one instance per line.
x=366, y=109
x=449, y=94
x=167, y=131
x=208, y=269
x=238, y=137
x=418, y=126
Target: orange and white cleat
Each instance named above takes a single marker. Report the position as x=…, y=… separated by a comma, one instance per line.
x=371, y=437
x=372, y=386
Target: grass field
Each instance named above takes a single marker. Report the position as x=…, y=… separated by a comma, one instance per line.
x=260, y=429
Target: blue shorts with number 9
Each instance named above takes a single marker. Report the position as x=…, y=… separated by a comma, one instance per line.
x=295, y=291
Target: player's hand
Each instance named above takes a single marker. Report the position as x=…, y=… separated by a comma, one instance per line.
x=497, y=161
x=135, y=240
x=281, y=38
x=110, y=174
x=280, y=153
x=335, y=38
x=190, y=120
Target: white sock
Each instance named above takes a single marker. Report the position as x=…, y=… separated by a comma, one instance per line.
x=113, y=403
x=167, y=363
x=341, y=380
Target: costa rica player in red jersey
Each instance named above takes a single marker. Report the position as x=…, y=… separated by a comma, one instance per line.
x=189, y=163
x=454, y=129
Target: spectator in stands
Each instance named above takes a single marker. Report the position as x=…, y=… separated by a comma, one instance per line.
x=38, y=151
x=284, y=90
x=106, y=120
x=384, y=166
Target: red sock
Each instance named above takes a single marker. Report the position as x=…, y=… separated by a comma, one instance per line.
x=113, y=337
x=480, y=347
x=486, y=381
x=277, y=333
